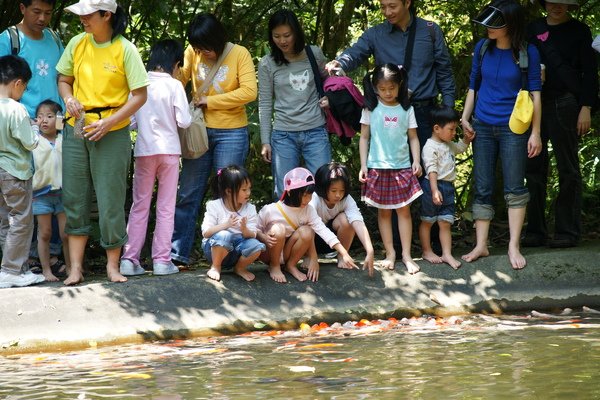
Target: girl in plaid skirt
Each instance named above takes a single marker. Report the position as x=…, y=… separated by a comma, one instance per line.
x=388, y=141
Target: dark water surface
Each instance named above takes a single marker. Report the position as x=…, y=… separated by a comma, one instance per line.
x=529, y=356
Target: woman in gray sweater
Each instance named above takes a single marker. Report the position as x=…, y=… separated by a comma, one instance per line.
x=292, y=124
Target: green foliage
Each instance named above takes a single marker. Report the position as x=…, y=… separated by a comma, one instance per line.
x=332, y=24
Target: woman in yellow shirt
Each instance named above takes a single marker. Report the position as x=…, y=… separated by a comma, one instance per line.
x=233, y=86
x=98, y=71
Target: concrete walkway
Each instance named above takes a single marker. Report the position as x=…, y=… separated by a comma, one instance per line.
x=52, y=317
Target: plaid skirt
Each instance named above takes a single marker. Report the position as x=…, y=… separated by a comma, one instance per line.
x=390, y=188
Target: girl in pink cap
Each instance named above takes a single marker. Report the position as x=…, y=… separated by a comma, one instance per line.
x=288, y=228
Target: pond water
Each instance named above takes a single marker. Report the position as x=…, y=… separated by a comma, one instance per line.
x=528, y=356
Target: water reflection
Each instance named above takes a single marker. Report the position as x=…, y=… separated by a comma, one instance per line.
x=474, y=357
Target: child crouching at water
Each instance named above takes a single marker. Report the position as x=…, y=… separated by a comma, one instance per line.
x=47, y=185
x=229, y=225
x=339, y=212
x=288, y=228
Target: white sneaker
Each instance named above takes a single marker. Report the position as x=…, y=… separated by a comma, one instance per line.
x=128, y=268
x=25, y=279
x=165, y=268
x=39, y=278
x=331, y=255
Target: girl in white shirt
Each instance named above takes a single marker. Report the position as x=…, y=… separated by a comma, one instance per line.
x=157, y=152
x=339, y=212
x=288, y=228
x=229, y=225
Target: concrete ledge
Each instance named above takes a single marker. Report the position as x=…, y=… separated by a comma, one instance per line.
x=53, y=317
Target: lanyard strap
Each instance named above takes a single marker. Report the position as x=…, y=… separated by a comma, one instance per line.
x=289, y=221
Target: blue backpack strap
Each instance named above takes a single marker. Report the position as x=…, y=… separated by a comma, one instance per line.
x=15, y=43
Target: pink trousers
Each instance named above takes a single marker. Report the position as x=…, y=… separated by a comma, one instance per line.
x=165, y=168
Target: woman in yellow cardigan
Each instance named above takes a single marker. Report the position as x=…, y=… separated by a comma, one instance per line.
x=224, y=102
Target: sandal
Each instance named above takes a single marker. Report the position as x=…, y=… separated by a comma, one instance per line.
x=34, y=266
x=59, y=269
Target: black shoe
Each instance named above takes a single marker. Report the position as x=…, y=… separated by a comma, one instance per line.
x=562, y=243
x=532, y=241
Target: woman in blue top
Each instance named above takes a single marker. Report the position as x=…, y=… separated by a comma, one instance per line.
x=496, y=77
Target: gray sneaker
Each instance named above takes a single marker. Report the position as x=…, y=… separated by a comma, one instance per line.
x=129, y=268
x=165, y=268
x=25, y=279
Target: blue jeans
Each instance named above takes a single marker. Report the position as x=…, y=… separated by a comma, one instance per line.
x=234, y=243
x=431, y=212
x=287, y=147
x=490, y=143
x=226, y=147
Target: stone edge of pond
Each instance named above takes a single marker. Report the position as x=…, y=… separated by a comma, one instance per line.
x=51, y=317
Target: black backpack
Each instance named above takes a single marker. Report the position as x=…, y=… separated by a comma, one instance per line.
x=15, y=42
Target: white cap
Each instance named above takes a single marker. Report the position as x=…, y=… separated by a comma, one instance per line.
x=86, y=7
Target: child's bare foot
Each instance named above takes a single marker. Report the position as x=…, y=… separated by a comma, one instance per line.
x=75, y=277
x=296, y=273
x=115, y=276
x=388, y=263
x=411, y=265
x=306, y=262
x=244, y=273
x=517, y=261
x=214, y=273
x=476, y=253
x=432, y=257
x=50, y=276
x=453, y=262
x=276, y=274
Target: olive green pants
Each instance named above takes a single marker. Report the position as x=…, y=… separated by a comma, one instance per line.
x=102, y=167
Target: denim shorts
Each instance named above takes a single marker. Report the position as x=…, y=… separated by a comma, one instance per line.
x=235, y=243
x=48, y=204
x=431, y=212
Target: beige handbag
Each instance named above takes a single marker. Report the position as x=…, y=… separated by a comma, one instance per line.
x=194, y=139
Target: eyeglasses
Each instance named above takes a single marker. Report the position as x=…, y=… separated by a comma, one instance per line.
x=203, y=51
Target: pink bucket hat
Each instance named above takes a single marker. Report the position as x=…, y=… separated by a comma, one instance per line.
x=297, y=178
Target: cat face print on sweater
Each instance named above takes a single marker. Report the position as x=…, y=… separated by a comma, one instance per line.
x=299, y=82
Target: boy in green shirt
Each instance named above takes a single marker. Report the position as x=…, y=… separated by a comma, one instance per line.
x=16, y=142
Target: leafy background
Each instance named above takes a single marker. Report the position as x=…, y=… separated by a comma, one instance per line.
x=334, y=24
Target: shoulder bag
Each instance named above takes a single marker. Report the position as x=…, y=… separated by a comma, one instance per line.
x=194, y=139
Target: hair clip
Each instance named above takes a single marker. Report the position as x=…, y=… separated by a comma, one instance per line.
x=337, y=171
x=219, y=171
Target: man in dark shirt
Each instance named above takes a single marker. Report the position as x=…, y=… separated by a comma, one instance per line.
x=569, y=92
x=429, y=67
x=430, y=70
